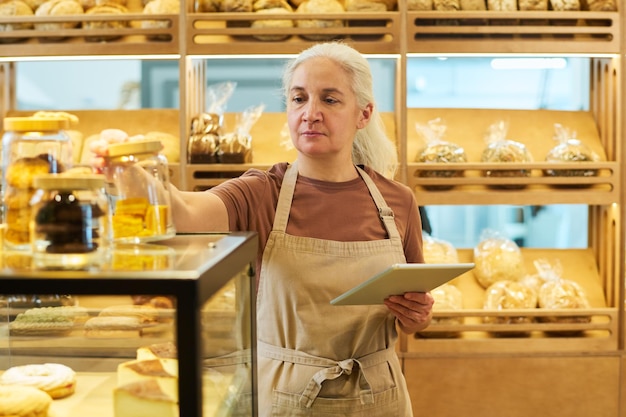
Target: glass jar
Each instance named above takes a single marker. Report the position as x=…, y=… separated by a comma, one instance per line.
x=30, y=146
x=70, y=224
x=140, y=195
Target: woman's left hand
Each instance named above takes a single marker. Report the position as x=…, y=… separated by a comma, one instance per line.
x=413, y=310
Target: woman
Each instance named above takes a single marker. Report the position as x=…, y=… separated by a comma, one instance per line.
x=325, y=224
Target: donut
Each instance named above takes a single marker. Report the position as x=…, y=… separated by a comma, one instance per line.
x=55, y=379
x=23, y=401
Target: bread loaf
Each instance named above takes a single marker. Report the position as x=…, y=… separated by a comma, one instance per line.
x=320, y=6
x=12, y=8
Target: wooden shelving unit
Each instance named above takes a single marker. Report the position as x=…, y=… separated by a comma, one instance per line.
x=568, y=370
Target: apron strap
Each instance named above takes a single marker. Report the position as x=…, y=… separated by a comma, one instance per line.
x=384, y=211
x=331, y=369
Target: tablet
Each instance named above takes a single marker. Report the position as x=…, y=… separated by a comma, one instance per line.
x=399, y=279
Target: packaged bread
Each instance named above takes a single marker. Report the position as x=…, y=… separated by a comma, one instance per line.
x=500, y=149
x=159, y=7
x=497, y=258
x=560, y=293
x=569, y=149
x=599, y=5
x=320, y=6
x=437, y=150
x=105, y=9
x=58, y=8
x=282, y=8
x=447, y=298
x=438, y=251
x=509, y=295
x=236, y=147
x=14, y=8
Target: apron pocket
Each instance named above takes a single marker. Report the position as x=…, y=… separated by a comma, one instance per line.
x=286, y=404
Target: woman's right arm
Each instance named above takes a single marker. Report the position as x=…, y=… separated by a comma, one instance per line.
x=198, y=211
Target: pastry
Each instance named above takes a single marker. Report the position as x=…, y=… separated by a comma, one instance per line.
x=563, y=294
x=21, y=172
x=159, y=7
x=145, y=314
x=319, y=6
x=88, y=4
x=166, y=350
x=23, y=401
x=77, y=314
x=55, y=379
x=143, y=399
x=447, y=5
x=10, y=8
x=497, y=259
x=105, y=9
x=150, y=369
x=206, y=6
x=236, y=6
x=364, y=6
x=113, y=327
x=58, y=8
x=43, y=324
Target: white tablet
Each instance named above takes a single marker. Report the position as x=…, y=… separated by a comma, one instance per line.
x=399, y=279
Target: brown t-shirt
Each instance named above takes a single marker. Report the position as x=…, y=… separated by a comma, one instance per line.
x=340, y=211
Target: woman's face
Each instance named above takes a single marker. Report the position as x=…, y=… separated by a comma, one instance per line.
x=322, y=111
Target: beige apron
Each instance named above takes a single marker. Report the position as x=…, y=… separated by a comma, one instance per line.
x=316, y=359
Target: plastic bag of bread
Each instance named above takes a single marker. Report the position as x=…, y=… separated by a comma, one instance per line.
x=438, y=251
x=599, y=5
x=502, y=150
x=569, y=149
x=316, y=7
x=509, y=295
x=560, y=293
x=236, y=147
x=497, y=258
x=447, y=298
x=437, y=150
x=206, y=127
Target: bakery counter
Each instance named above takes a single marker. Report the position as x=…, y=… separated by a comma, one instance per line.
x=180, y=309
x=532, y=31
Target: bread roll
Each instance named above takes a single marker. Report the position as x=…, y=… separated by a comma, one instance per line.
x=565, y=5
x=364, y=6
x=447, y=5
x=159, y=7
x=58, y=8
x=320, y=6
x=502, y=5
x=476, y=5
x=206, y=6
x=272, y=7
x=88, y=4
x=236, y=6
x=106, y=9
x=533, y=4
x=599, y=5
x=10, y=8
x=419, y=5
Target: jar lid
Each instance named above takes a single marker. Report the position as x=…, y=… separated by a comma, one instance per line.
x=135, y=147
x=68, y=181
x=26, y=124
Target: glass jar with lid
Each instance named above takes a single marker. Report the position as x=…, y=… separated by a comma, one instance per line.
x=140, y=195
x=30, y=146
x=71, y=222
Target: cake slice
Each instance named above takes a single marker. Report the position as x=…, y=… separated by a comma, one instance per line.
x=143, y=398
x=149, y=370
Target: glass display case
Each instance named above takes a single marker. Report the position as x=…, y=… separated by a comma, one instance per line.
x=179, y=312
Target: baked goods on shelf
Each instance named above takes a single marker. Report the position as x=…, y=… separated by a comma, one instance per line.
x=149, y=370
x=447, y=298
x=569, y=150
x=113, y=327
x=319, y=6
x=438, y=251
x=43, y=324
x=55, y=379
x=10, y=8
x=560, y=293
x=497, y=258
x=509, y=295
x=23, y=401
x=159, y=7
x=58, y=8
x=500, y=149
x=105, y=9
